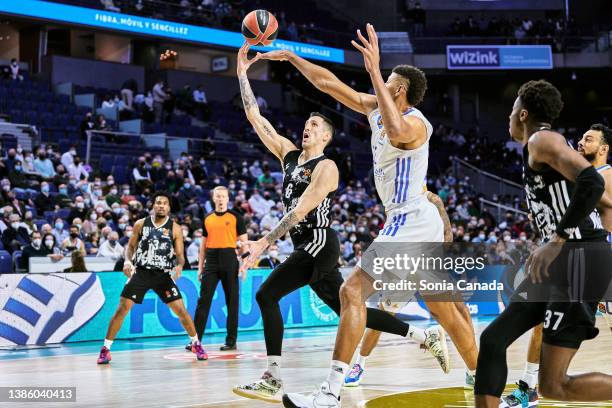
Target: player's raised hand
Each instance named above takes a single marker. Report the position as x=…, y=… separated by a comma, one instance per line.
x=243, y=62
x=369, y=48
x=278, y=55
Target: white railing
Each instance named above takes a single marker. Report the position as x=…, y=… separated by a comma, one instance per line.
x=485, y=183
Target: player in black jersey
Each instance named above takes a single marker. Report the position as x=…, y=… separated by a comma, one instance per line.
x=563, y=190
x=154, y=251
x=310, y=182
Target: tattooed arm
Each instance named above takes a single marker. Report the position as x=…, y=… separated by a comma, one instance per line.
x=324, y=180
x=277, y=144
x=437, y=201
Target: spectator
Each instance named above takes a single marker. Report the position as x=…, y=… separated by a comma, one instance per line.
x=108, y=102
x=68, y=157
x=77, y=170
x=51, y=246
x=62, y=199
x=44, y=166
x=28, y=222
x=78, y=260
x=187, y=198
x=201, y=103
x=270, y=260
x=73, y=242
x=59, y=232
x=418, y=18
x=159, y=97
x=87, y=124
x=78, y=211
x=16, y=205
x=14, y=68
x=258, y=204
x=142, y=176
x=270, y=220
x=28, y=166
x=128, y=90
x=193, y=249
x=101, y=123
x=19, y=180
x=255, y=170
x=15, y=236
x=111, y=247
x=265, y=180
x=127, y=234
x=35, y=249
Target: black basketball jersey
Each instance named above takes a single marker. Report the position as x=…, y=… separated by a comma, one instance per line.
x=155, y=250
x=296, y=178
x=548, y=196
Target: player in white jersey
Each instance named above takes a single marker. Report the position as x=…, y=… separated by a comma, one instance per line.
x=595, y=147
x=400, y=143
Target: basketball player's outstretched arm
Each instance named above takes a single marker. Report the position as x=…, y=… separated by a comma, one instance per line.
x=324, y=180
x=437, y=201
x=325, y=81
x=551, y=148
x=399, y=129
x=128, y=267
x=277, y=144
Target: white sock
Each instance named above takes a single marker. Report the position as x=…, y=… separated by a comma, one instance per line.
x=416, y=334
x=336, y=375
x=274, y=366
x=108, y=343
x=361, y=360
x=194, y=339
x=530, y=375
x=470, y=372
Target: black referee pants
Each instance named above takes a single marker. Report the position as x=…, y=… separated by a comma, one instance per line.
x=221, y=265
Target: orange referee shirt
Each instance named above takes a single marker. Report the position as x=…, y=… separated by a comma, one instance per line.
x=222, y=229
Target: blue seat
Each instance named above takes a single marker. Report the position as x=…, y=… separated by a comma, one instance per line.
x=16, y=261
x=6, y=262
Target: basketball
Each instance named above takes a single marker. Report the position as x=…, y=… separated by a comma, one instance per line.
x=260, y=27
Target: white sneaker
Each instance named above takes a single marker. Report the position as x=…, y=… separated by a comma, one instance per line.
x=267, y=389
x=323, y=398
x=435, y=343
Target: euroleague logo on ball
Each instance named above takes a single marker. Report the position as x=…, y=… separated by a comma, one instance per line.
x=260, y=27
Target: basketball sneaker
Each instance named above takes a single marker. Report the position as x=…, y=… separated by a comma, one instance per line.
x=435, y=343
x=105, y=356
x=267, y=389
x=354, y=376
x=188, y=347
x=199, y=351
x=322, y=398
x=523, y=397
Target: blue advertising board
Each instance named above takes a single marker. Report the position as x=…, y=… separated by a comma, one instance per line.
x=160, y=28
x=461, y=57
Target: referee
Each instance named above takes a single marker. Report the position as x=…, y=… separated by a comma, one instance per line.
x=218, y=262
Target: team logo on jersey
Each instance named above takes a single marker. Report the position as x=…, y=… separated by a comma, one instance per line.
x=307, y=172
x=168, y=294
x=379, y=173
x=165, y=232
x=379, y=121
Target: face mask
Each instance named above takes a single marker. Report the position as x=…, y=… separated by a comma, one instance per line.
x=273, y=253
x=15, y=225
x=128, y=234
x=59, y=226
x=361, y=230
x=481, y=236
x=126, y=192
x=6, y=188
x=99, y=210
x=168, y=167
x=80, y=205
x=345, y=206
x=44, y=189
x=113, y=192
x=523, y=238
x=353, y=238
x=117, y=210
x=72, y=182
x=49, y=243
x=122, y=226
x=93, y=217
x=110, y=182
x=74, y=235
x=63, y=191
x=507, y=238
x=18, y=168
x=97, y=193
x=36, y=242
x=73, y=152
x=198, y=241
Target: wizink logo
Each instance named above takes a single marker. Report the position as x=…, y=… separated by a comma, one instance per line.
x=473, y=57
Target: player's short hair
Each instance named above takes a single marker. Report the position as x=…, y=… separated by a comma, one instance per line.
x=606, y=133
x=417, y=83
x=162, y=194
x=220, y=188
x=542, y=100
x=328, y=122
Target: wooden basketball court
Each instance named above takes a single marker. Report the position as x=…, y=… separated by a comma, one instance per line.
x=160, y=373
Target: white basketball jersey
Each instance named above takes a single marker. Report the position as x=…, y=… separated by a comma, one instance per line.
x=400, y=175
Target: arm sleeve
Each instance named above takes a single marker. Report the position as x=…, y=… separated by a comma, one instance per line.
x=588, y=190
x=240, y=225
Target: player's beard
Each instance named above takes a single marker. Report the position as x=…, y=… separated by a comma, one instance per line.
x=589, y=156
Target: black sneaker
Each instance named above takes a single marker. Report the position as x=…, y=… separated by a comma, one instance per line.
x=188, y=347
x=227, y=347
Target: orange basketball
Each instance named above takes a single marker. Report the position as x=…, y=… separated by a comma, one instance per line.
x=260, y=27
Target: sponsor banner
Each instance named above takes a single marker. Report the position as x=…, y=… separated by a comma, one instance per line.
x=102, y=19
x=509, y=57
x=65, y=307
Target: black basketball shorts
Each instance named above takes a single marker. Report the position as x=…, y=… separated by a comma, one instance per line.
x=142, y=280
